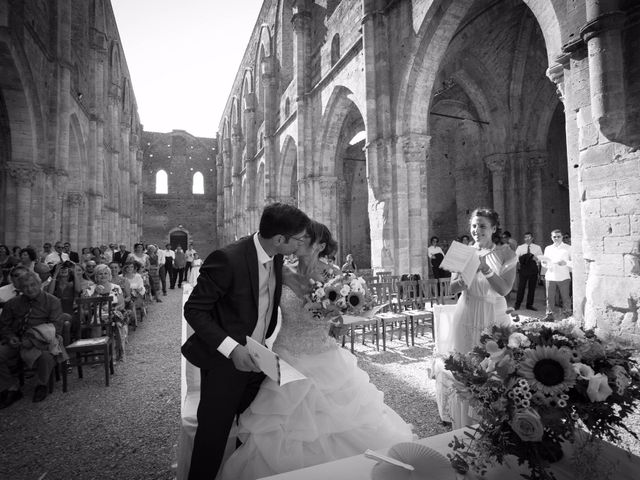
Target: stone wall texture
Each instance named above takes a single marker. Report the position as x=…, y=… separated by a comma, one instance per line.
x=527, y=106
x=70, y=162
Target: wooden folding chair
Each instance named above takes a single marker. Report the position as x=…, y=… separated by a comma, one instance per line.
x=413, y=304
x=385, y=293
x=446, y=297
x=96, y=345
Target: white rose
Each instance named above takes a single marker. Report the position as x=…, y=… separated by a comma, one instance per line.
x=517, y=340
x=599, y=389
x=344, y=291
x=584, y=371
x=527, y=425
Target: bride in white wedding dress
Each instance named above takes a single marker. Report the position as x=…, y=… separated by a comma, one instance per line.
x=334, y=413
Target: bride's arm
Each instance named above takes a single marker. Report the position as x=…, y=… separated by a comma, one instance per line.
x=457, y=283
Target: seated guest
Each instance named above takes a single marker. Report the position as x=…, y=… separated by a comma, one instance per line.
x=7, y=292
x=7, y=262
x=29, y=326
x=136, y=282
x=58, y=256
x=46, y=250
x=15, y=251
x=122, y=255
x=66, y=284
x=97, y=255
x=89, y=270
x=349, y=265
x=86, y=255
x=28, y=258
x=73, y=256
x=104, y=286
x=139, y=256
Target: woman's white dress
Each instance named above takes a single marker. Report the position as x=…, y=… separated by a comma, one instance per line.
x=334, y=413
x=195, y=271
x=479, y=307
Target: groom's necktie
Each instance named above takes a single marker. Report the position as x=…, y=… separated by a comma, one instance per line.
x=265, y=295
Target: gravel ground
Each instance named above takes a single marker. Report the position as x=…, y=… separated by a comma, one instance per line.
x=129, y=430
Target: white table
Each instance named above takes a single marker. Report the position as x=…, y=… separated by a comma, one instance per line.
x=359, y=468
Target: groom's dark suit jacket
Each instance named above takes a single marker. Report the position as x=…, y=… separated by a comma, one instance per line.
x=224, y=302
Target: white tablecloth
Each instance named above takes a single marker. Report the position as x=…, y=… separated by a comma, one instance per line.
x=359, y=468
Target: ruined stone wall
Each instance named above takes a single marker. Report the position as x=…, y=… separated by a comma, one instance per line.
x=70, y=129
x=528, y=106
x=180, y=155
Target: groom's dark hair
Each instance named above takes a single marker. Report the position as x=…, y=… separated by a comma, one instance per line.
x=282, y=219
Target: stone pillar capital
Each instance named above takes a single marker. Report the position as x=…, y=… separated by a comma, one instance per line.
x=415, y=146
x=249, y=102
x=537, y=160
x=267, y=68
x=555, y=73
x=226, y=146
x=23, y=173
x=496, y=163
x=75, y=198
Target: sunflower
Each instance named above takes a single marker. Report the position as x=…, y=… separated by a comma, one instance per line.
x=332, y=292
x=355, y=299
x=548, y=370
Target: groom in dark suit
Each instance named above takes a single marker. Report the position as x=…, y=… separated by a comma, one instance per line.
x=237, y=295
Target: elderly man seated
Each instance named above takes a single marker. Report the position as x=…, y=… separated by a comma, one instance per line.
x=30, y=326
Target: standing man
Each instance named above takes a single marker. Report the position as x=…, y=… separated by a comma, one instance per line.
x=189, y=257
x=73, y=256
x=169, y=256
x=528, y=264
x=46, y=250
x=57, y=256
x=237, y=295
x=162, y=272
x=557, y=261
x=178, y=264
x=121, y=255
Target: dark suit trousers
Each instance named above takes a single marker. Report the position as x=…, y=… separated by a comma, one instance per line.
x=529, y=282
x=224, y=393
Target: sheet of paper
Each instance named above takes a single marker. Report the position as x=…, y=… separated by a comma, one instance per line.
x=271, y=365
x=462, y=259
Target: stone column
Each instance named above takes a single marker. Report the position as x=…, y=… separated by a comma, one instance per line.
x=236, y=181
x=496, y=164
x=301, y=22
x=536, y=162
x=74, y=199
x=24, y=176
x=415, y=149
x=228, y=198
x=220, y=206
x=328, y=213
x=270, y=109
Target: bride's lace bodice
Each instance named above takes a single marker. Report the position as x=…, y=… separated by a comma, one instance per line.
x=301, y=332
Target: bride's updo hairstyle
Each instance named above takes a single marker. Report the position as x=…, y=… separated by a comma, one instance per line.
x=488, y=213
x=319, y=233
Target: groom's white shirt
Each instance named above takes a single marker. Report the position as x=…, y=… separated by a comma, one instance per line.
x=265, y=305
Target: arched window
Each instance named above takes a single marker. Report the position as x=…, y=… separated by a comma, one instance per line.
x=335, y=49
x=287, y=107
x=198, y=183
x=162, y=182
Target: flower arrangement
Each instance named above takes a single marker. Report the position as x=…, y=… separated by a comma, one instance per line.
x=343, y=294
x=534, y=386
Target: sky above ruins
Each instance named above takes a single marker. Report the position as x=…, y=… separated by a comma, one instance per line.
x=183, y=56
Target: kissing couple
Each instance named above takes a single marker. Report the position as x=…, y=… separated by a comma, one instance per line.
x=334, y=413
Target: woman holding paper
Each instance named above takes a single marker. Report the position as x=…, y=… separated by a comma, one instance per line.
x=334, y=412
x=481, y=305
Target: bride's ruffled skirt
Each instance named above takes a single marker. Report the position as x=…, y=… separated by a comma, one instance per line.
x=336, y=412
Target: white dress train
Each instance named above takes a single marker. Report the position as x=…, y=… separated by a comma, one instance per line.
x=334, y=413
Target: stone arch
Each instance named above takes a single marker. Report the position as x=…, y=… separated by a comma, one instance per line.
x=179, y=236
x=24, y=110
x=341, y=103
x=197, y=187
x=162, y=182
x=115, y=65
x=265, y=40
x=78, y=164
x=259, y=188
x=284, y=43
x=236, y=117
x=335, y=49
x=434, y=38
x=288, y=175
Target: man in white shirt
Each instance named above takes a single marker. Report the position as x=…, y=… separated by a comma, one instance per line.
x=57, y=256
x=188, y=253
x=557, y=261
x=528, y=264
x=162, y=271
x=169, y=256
